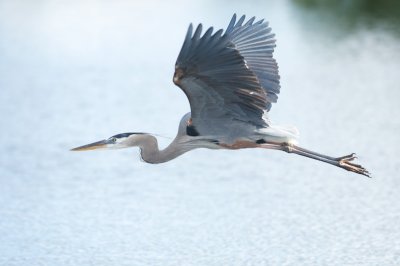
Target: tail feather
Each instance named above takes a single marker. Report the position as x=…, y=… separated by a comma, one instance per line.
x=280, y=133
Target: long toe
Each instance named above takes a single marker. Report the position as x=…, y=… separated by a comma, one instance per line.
x=356, y=168
x=349, y=157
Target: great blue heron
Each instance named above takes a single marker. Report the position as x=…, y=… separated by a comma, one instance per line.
x=231, y=80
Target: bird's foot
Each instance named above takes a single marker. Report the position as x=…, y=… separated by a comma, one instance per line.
x=345, y=162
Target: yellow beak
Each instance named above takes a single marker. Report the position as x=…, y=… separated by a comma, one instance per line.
x=92, y=146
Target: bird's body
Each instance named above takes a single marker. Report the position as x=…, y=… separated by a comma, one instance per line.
x=231, y=80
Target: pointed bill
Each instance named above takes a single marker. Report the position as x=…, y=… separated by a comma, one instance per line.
x=92, y=146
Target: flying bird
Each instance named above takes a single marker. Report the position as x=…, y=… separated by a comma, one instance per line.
x=231, y=80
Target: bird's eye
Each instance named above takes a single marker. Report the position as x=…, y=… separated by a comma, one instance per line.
x=113, y=139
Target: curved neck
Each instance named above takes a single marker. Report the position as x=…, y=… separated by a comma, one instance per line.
x=150, y=152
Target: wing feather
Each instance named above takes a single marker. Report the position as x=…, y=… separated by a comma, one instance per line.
x=229, y=77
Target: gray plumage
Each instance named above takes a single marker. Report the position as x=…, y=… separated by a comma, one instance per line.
x=230, y=78
x=231, y=81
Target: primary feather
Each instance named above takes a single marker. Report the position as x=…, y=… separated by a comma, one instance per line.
x=229, y=77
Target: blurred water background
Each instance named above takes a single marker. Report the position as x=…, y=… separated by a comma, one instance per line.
x=73, y=72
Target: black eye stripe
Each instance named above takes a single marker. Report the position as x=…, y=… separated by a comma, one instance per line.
x=124, y=135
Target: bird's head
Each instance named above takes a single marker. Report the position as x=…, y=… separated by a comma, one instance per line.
x=119, y=141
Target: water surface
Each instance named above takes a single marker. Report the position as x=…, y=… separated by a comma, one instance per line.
x=73, y=72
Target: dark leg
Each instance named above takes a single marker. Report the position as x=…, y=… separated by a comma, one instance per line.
x=344, y=162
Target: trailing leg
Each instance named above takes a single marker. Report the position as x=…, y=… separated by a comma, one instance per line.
x=345, y=162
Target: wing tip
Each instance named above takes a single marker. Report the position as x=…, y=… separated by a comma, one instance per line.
x=189, y=32
x=197, y=33
x=231, y=24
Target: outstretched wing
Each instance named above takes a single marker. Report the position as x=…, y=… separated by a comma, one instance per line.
x=228, y=77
